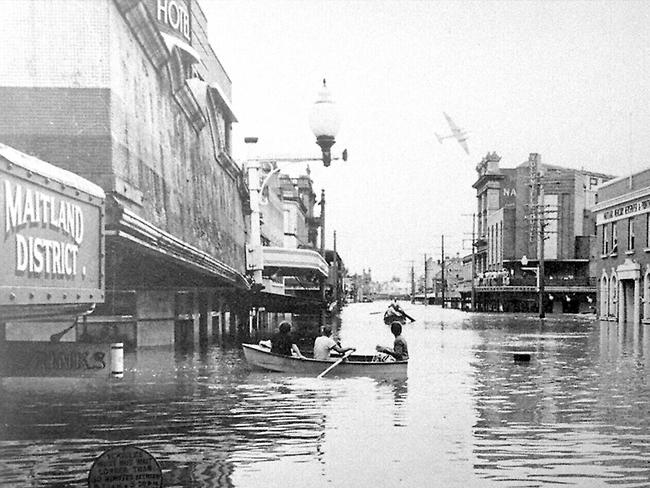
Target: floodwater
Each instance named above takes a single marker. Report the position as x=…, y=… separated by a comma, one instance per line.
x=467, y=415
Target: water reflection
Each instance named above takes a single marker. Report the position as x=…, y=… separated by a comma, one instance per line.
x=581, y=403
x=467, y=415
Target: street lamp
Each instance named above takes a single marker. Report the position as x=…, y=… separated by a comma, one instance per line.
x=324, y=120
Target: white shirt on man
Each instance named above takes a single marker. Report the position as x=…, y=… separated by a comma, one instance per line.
x=322, y=347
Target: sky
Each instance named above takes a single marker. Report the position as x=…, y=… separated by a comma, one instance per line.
x=567, y=80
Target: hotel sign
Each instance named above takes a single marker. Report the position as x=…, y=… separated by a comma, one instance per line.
x=623, y=211
x=51, y=246
x=173, y=17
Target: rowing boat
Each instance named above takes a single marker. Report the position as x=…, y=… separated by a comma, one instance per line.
x=356, y=365
x=390, y=318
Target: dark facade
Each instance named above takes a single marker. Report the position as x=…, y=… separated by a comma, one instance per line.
x=510, y=212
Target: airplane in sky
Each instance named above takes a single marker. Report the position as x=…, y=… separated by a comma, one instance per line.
x=456, y=132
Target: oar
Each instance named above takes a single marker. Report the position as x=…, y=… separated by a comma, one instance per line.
x=345, y=356
x=408, y=317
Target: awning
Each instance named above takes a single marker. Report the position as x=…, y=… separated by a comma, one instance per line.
x=294, y=262
x=217, y=89
x=172, y=42
x=127, y=225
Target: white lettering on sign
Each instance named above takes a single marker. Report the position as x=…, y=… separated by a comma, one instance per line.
x=26, y=208
x=627, y=210
x=175, y=15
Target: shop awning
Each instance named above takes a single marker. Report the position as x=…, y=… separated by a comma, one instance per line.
x=127, y=225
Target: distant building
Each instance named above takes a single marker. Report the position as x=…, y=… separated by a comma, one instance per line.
x=506, y=232
x=622, y=249
x=293, y=265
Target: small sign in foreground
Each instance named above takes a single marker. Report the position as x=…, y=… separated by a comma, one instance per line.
x=125, y=466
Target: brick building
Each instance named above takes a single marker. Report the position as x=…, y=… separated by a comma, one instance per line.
x=130, y=95
x=622, y=249
x=507, y=231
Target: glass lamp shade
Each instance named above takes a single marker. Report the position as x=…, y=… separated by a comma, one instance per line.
x=324, y=118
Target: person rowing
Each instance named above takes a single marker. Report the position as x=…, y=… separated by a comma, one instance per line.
x=395, y=312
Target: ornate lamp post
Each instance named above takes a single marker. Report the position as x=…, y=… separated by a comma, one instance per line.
x=325, y=121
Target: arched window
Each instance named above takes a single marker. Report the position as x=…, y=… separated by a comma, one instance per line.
x=613, y=297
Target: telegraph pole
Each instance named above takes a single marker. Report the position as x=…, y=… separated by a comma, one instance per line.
x=442, y=261
x=473, y=262
x=425, y=280
x=336, y=273
x=542, y=238
x=412, y=282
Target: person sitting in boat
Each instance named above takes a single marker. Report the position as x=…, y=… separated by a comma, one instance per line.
x=282, y=342
x=400, y=350
x=324, y=344
x=395, y=312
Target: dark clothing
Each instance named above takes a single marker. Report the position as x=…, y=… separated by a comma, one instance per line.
x=281, y=344
x=400, y=349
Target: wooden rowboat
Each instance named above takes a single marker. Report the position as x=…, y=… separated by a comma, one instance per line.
x=356, y=365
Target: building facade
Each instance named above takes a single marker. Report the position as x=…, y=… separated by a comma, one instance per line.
x=622, y=249
x=515, y=208
x=130, y=95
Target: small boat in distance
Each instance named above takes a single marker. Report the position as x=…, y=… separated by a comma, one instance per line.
x=355, y=365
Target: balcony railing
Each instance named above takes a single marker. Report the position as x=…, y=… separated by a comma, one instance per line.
x=532, y=281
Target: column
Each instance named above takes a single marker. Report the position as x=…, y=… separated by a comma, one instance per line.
x=646, y=299
x=621, y=302
x=637, y=302
x=196, y=317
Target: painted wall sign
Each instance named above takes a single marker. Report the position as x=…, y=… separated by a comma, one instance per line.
x=51, y=241
x=54, y=359
x=623, y=211
x=173, y=17
x=125, y=466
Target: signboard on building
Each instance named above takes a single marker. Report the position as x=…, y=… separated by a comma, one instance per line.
x=623, y=211
x=51, y=244
x=54, y=359
x=173, y=17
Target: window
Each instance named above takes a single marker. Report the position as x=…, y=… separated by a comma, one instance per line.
x=630, y=234
x=605, y=244
x=647, y=230
x=614, y=238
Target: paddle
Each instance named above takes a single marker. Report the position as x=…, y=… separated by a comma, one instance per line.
x=345, y=356
x=408, y=316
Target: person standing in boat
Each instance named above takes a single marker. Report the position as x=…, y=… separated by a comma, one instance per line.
x=324, y=344
x=400, y=350
x=282, y=342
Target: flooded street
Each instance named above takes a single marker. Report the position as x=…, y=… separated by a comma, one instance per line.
x=467, y=415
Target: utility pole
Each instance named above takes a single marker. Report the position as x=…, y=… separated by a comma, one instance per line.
x=442, y=261
x=322, y=243
x=336, y=273
x=425, y=280
x=322, y=223
x=542, y=238
x=412, y=282
x=473, y=262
